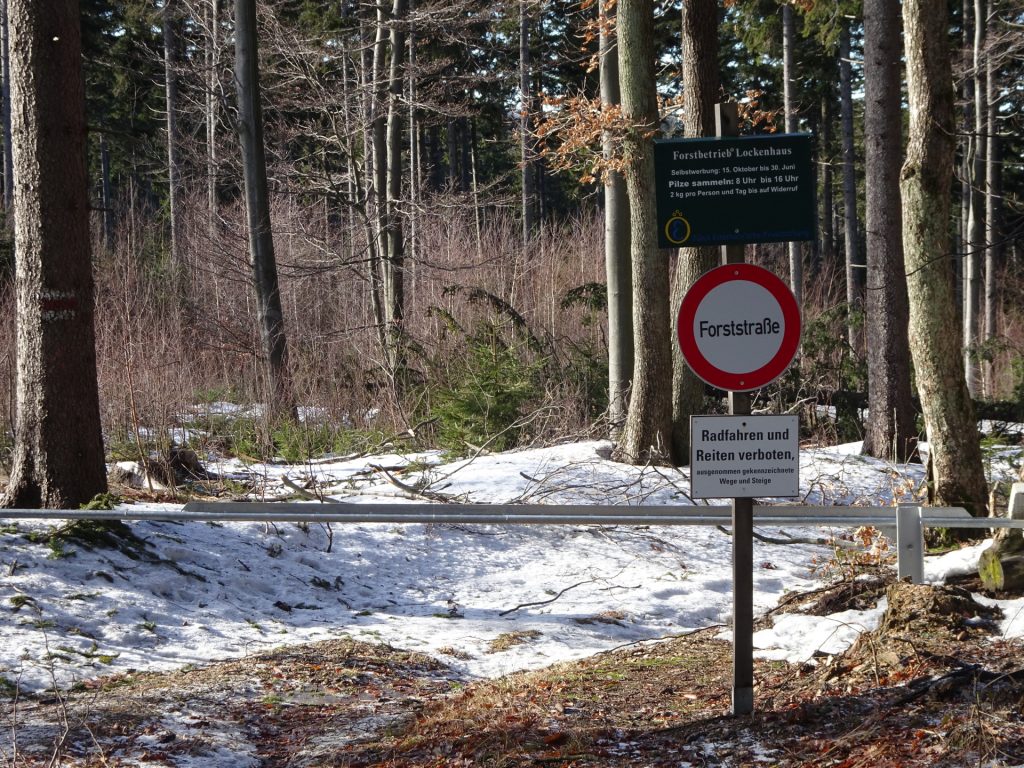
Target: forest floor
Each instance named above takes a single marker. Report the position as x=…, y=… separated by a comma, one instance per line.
x=932, y=686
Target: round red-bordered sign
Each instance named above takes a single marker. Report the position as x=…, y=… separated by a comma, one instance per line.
x=739, y=327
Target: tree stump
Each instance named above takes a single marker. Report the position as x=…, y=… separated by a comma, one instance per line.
x=1001, y=566
x=926, y=611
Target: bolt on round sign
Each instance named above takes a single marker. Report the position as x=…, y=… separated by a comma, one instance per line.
x=739, y=327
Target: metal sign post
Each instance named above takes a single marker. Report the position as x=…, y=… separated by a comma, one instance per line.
x=727, y=124
x=742, y=585
x=739, y=329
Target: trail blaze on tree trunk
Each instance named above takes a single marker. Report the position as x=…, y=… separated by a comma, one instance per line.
x=58, y=453
x=957, y=474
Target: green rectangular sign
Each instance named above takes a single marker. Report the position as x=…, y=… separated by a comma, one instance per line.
x=747, y=189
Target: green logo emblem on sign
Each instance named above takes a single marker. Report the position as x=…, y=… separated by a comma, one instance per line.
x=677, y=229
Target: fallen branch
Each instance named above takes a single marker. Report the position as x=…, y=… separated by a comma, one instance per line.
x=546, y=602
x=817, y=541
x=307, y=494
x=425, y=493
x=956, y=677
x=662, y=638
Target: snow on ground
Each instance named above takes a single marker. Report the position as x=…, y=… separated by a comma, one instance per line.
x=197, y=592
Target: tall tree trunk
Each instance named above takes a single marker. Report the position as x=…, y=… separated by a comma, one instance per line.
x=966, y=163
x=171, y=22
x=466, y=162
x=478, y=214
x=58, y=444
x=108, y=202
x=648, y=429
x=394, y=266
x=701, y=85
x=414, y=149
x=526, y=150
x=976, y=215
x=373, y=160
x=851, y=235
x=379, y=149
x=993, y=222
x=925, y=182
x=451, y=135
x=890, y=432
x=5, y=106
x=828, y=235
x=212, y=93
x=796, y=262
x=616, y=240
x=257, y=209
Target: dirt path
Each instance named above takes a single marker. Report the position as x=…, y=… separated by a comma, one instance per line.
x=930, y=687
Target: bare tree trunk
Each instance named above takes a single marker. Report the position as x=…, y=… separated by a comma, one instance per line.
x=414, y=150
x=616, y=241
x=527, y=159
x=890, y=432
x=828, y=235
x=466, y=163
x=378, y=136
x=648, y=429
x=701, y=84
x=925, y=182
x=368, y=86
x=796, y=261
x=394, y=267
x=58, y=444
x=851, y=234
x=108, y=202
x=967, y=159
x=976, y=217
x=257, y=208
x=171, y=23
x=5, y=106
x=993, y=222
x=212, y=94
x=788, y=41
x=478, y=213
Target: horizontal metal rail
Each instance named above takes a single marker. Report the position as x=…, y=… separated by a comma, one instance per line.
x=908, y=520
x=504, y=514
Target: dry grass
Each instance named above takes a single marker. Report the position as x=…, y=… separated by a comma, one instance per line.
x=164, y=345
x=887, y=702
x=507, y=640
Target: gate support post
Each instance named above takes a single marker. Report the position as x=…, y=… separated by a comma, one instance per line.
x=909, y=544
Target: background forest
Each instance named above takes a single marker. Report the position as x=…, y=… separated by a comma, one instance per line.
x=437, y=191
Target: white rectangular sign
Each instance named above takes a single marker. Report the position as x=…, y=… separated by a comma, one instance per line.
x=744, y=456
